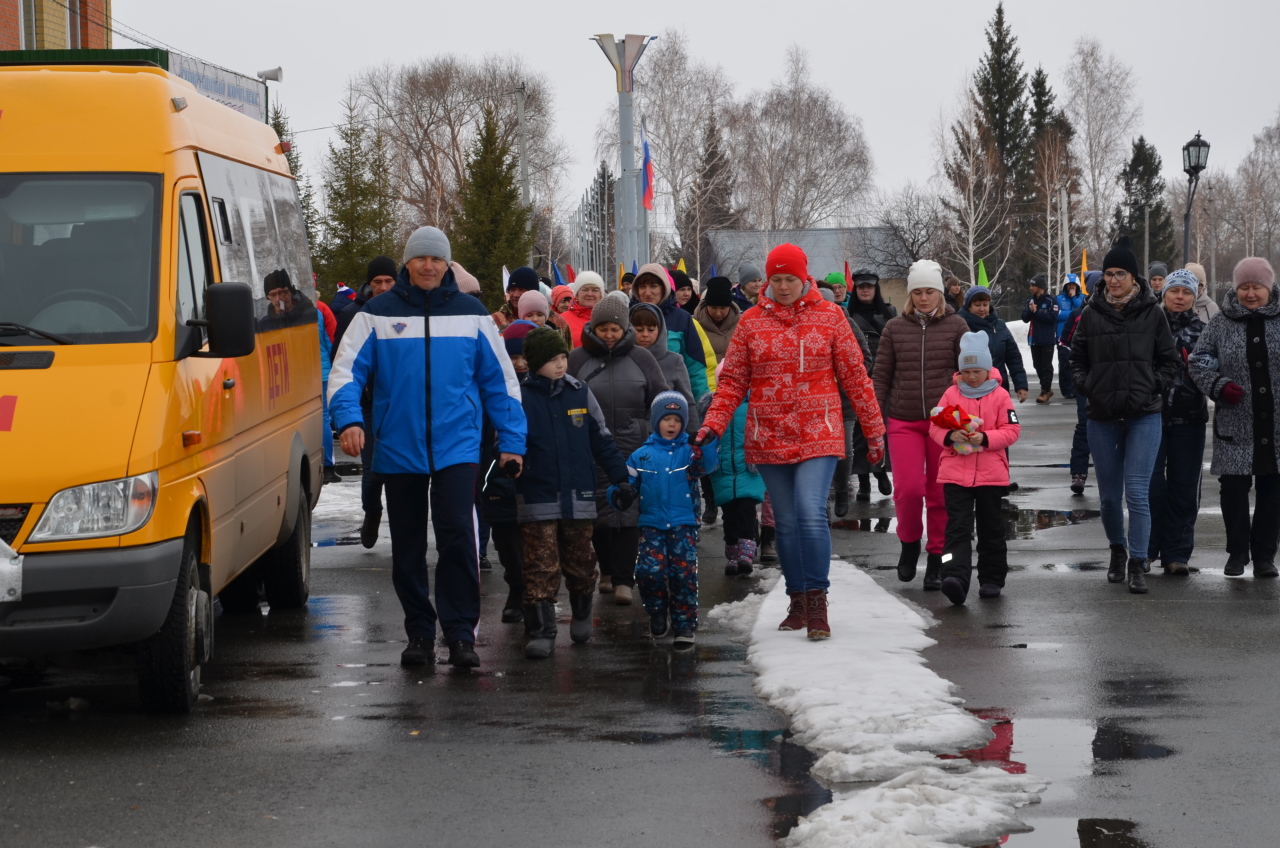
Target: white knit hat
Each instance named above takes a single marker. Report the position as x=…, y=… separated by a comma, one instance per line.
x=587, y=278
x=924, y=274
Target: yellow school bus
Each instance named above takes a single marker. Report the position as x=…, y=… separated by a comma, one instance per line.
x=160, y=411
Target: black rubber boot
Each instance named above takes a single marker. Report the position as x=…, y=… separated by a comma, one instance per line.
x=885, y=484
x=581, y=628
x=1137, y=582
x=513, y=610
x=1235, y=565
x=842, y=488
x=540, y=624
x=369, y=529
x=463, y=654
x=933, y=573
x=864, y=487
x=1119, y=559
x=907, y=561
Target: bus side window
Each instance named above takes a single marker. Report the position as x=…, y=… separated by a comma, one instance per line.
x=221, y=223
x=193, y=260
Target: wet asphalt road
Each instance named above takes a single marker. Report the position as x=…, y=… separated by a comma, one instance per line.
x=1150, y=714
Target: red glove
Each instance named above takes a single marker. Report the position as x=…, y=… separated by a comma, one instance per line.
x=1231, y=394
x=705, y=435
x=875, y=450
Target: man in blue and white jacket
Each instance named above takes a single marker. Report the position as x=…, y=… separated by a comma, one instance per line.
x=437, y=366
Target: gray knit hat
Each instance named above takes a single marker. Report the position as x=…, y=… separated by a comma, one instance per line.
x=747, y=272
x=428, y=241
x=1182, y=278
x=1157, y=269
x=613, y=310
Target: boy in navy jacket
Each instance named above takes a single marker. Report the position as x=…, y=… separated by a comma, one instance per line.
x=556, y=491
x=664, y=471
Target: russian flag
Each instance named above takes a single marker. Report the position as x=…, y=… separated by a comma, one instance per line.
x=646, y=171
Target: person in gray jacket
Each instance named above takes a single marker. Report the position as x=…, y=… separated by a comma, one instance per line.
x=651, y=334
x=1236, y=363
x=624, y=378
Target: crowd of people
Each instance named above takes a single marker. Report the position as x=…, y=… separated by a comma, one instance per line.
x=594, y=434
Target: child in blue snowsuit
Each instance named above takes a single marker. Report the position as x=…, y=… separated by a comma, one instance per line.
x=664, y=471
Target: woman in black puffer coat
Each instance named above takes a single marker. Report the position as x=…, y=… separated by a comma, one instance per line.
x=870, y=314
x=1237, y=363
x=1123, y=361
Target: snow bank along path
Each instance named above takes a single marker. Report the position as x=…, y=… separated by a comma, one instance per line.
x=878, y=716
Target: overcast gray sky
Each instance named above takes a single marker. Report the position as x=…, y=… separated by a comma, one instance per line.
x=1207, y=66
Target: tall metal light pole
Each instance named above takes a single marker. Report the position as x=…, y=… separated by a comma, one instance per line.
x=1195, y=158
x=521, y=93
x=623, y=54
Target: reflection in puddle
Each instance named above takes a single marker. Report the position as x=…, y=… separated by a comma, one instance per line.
x=1082, y=833
x=1019, y=523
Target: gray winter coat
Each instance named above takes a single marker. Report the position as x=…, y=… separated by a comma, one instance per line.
x=625, y=381
x=672, y=365
x=1242, y=347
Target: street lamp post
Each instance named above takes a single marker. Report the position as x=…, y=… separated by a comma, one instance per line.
x=623, y=54
x=1195, y=157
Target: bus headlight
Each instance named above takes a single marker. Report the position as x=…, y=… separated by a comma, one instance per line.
x=98, y=509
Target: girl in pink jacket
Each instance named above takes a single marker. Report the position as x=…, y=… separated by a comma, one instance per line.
x=974, y=472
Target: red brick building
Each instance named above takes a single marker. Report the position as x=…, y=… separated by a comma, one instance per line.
x=55, y=24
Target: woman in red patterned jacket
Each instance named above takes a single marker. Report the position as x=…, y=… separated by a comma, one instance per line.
x=791, y=355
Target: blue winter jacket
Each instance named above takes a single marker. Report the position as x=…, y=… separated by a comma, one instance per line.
x=326, y=350
x=733, y=478
x=1042, y=325
x=665, y=475
x=437, y=365
x=567, y=440
x=1067, y=305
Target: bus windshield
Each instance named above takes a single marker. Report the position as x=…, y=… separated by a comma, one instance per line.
x=79, y=257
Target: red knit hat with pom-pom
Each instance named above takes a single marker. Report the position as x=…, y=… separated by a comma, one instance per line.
x=787, y=259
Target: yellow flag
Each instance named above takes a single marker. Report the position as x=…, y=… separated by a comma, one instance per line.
x=621, y=270
x=1084, y=269
x=680, y=266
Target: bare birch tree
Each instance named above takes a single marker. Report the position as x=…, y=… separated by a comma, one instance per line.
x=907, y=225
x=975, y=191
x=1104, y=115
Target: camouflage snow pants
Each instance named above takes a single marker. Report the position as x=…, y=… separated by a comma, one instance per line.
x=554, y=546
x=667, y=574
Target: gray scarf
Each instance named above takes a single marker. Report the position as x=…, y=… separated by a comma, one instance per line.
x=980, y=391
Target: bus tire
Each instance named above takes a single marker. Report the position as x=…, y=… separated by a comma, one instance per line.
x=286, y=570
x=168, y=662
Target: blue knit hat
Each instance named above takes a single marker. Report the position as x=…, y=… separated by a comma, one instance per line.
x=974, y=352
x=1182, y=278
x=670, y=403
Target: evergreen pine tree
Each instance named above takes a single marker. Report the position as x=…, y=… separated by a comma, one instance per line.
x=1001, y=89
x=351, y=203
x=385, y=222
x=491, y=228
x=1145, y=188
x=279, y=120
x=710, y=202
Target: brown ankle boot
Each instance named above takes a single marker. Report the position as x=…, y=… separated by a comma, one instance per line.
x=816, y=602
x=797, y=613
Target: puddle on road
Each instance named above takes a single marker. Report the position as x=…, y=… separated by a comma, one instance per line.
x=1019, y=523
x=1064, y=751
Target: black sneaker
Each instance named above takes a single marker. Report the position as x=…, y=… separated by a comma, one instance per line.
x=1077, y=484
x=485, y=565
x=658, y=625
x=330, y=475
x=463, y=655
x=683, y=640
x=884, y=483
x=419, y=652
x=1235, y=565
x=369, y=529
x=842, y=499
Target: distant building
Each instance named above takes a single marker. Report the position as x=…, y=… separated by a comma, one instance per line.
x=827, y=248
x=55, y=24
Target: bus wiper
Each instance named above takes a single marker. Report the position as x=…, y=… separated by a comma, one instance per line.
x=32, y=331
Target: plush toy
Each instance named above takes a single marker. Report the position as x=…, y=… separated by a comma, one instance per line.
x=954, y=418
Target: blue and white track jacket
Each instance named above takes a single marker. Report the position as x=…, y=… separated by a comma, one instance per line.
x=437, y=365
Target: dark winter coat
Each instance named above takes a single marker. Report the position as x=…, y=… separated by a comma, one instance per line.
x=625, y=381
x=1242, y=347
x=868, y=363
x=1123, y=361
x=1184, y=403
x=1042, y=325
x=1006, y=356
x=871, y=317
x=915, y=364
x=740, y=298
x=718, y=334
x=567, y=440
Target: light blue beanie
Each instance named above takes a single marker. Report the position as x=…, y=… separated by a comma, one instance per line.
x=974, y=352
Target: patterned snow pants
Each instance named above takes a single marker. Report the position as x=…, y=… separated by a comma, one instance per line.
x=551, y=547
x=667, y=574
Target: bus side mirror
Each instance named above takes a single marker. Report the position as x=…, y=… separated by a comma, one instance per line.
x=228, y=309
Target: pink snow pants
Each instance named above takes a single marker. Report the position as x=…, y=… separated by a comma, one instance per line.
x=915, y=458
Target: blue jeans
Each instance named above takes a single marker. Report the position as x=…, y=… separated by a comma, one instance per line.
x=798, y=494
x=326, y=428
x=1080, y=441
x=1175, y=493
x=1124, y=454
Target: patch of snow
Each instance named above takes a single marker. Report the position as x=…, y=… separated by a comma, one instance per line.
x=339, y=501
x=739, y=617
x=1019, y=330
x=865, y=700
